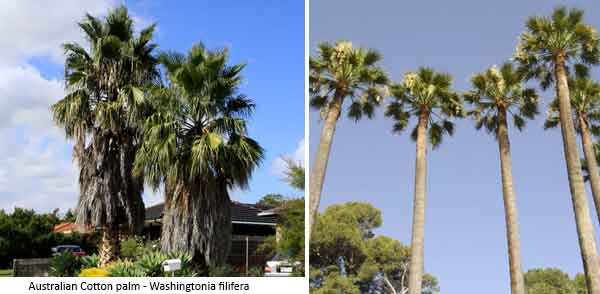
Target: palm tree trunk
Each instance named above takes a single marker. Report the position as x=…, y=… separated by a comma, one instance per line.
x=109, y=248
x=583, y=219
x=317, y=176
x=590, y=159
x=517, y=285
x=415, y=276
x=197, y=221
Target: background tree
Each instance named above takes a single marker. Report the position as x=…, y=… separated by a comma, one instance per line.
x=196, y=143
x=337, y=73
x=553, y=281
x=426, y=95
x=497, y=94
x=585, y=103
x=104, y=102
x=550, y=48
x=294, y=173
x=27, y=234
x=271, y=200
x=346, y=230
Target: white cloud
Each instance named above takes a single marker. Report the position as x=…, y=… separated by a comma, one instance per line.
x=36, y=169
x=278, y=167
x=38, y=28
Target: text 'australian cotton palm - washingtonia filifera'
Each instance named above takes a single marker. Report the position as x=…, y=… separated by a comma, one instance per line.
x=105, y=88
x=196, y=144
x=338, y=72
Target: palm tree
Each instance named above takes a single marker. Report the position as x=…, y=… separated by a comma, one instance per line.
x=337, y=73
x=585, y=101
x=498, y=93
x=550, y=48
x=196, y=144
x=426, y=95
x=104, y=101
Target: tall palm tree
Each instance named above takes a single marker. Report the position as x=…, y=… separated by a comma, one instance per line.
x=427, y=96
x=196, y=144
x=104, y=101
x=497, y=94
x=585, y=101
x=338, y=73
x=550, y=48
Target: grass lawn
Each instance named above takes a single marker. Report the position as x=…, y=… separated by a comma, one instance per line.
x=5, y=272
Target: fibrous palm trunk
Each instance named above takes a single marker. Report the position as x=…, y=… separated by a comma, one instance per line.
x=585, y=228
x=415, y=276
x=517, y=285
x=591, y=161
x=317, y=176
x=110, y=195
x=197, y=221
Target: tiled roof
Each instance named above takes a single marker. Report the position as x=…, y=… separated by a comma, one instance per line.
x=64, y=227
x=240, y=213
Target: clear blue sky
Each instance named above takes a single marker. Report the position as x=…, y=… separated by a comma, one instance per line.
x=465, y=243
x=36, y=169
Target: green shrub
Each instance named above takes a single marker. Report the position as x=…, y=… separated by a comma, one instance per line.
x=125, y=268
x=256, y=271
x=65, y=265
x=90, y=261
x=131, y=247
x=151, y=264
x=222, y=271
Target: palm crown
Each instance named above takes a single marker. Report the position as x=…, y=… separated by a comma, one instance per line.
x=343, y=71
x=564, y=35
x=105, y=83
x=585, y=101
x=425, y=93
x=197, y=129
x=500, y=90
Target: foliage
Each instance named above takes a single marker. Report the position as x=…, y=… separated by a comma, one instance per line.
x=425, y=94
x=132, y=246
x=336, y=284
x=339, y=71
x=291, y=226
x=65, y=265
x=125, y=268
x=550, y=281
x=341, y=231
x=90, y=261
x=500, y=90
x=93, y=272
x=271, y=200
x=563, y=35
x=256, y=271
x=27, y=234
x=585, y=102
x=294, y=173
x=346, y=230
x=224, y=270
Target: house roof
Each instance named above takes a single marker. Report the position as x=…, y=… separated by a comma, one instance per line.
x=241, y=213
x=64, y=228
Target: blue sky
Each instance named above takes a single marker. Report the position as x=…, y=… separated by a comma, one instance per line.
x=465, y=244
x=36, y=170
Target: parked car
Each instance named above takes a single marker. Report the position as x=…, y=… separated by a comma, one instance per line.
x=74, y=249
x=280, y=266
